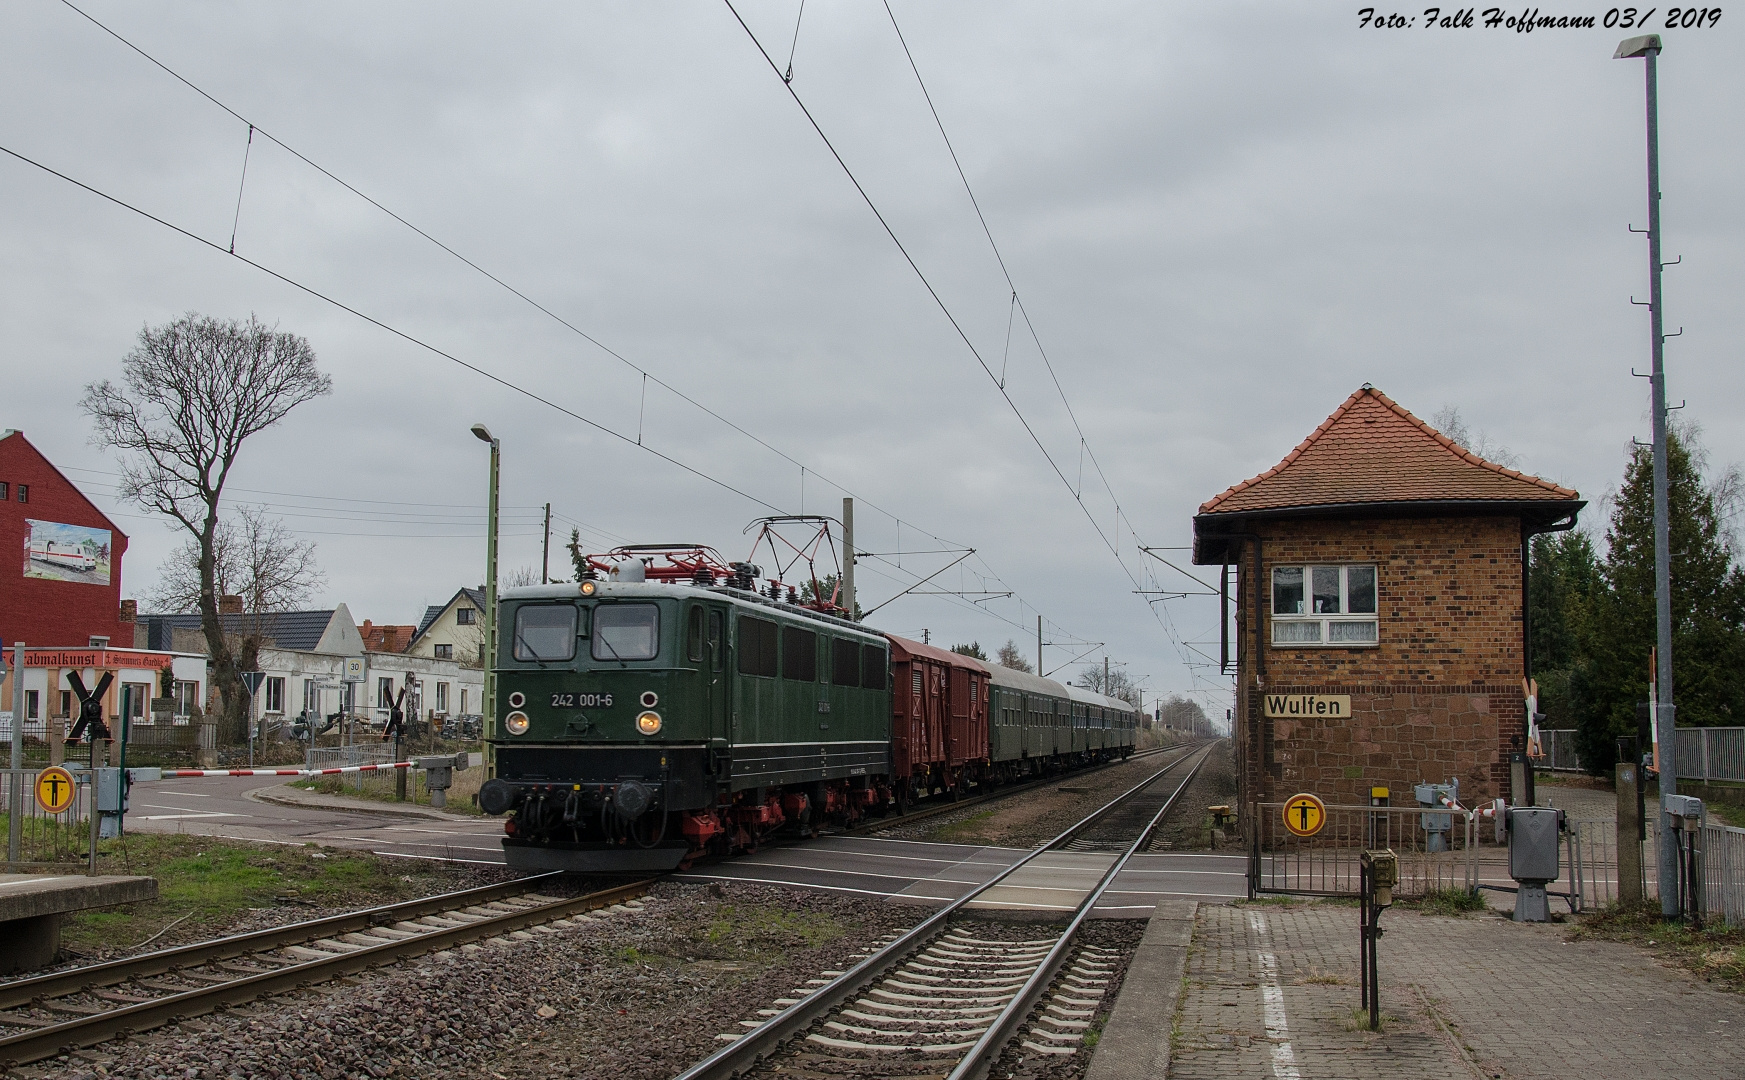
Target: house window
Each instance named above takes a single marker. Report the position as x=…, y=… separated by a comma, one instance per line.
x=385, y=693
x=187, y=698
x=311, y=698
x=66, y=703
x=275, y=702
x=463, y=700
x=32, y=705
x=444, y=651
x=1324, y=605
x=442, y=697
x=465, y=616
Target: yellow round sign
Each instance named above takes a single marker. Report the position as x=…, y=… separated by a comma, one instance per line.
x=54, y=789
x=1305, y=814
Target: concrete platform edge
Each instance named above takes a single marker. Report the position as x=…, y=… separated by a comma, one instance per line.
x=1135, y=1043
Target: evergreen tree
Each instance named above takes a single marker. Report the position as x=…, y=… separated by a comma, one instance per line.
x=1562, y=583
x=1708, y=607
x=973, y=650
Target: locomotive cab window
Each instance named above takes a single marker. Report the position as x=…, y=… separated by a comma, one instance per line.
x=694, y=635
x=626, y=632
x=545, y=632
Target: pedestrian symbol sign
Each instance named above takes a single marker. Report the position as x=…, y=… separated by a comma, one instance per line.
x=54, y=789
x=1305, y=814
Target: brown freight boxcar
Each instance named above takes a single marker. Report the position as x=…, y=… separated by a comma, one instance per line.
x=939, y=720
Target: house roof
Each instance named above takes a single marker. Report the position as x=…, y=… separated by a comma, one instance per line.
x=477, y=596
x=1372, y=456
x=296, y=630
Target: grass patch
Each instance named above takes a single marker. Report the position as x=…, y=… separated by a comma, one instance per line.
x=1726, y=814
x=1272, y=901
x=206, y=884
x=968, y=828
x=1453, y=902
x=1715, y=953
x=379, y=787
x=1358, y=1020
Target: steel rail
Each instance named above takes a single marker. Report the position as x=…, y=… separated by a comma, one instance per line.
x=91, y=1030
x=933, y=811
x=740, y=1056
x=56, y=984
x=981, y=1057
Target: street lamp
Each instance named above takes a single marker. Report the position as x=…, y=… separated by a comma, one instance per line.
x=483, y=434
x=1648, y=48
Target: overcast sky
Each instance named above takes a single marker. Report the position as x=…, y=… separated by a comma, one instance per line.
x=1222, y=219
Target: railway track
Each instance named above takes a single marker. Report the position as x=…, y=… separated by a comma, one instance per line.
x=936, y=810
x=50, y=1014
x=944, y=998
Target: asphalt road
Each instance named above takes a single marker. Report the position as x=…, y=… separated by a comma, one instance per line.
x=906, y=871
x=227, y=806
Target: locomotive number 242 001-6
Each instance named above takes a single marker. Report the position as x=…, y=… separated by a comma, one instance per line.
x=581, y=701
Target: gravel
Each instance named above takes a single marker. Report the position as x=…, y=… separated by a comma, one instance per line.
x=1032, y=817
x=641, y=993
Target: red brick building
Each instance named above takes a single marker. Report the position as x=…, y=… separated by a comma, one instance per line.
x=1379, y=608
x=60, y=586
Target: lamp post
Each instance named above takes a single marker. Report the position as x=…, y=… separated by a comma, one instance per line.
x=483, y=433
x=1648, y=48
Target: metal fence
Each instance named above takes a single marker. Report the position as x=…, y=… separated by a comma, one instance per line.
x=1591, y=852
x=1708, y=753
x=44, y=838
x=1559, y=747
x=1328, y=863
x=334, y=757
x=1724, y=873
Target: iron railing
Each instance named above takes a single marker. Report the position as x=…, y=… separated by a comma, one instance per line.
x=44, y=839
x=1703, y=753
x=1328, y=863
x=1723, y=873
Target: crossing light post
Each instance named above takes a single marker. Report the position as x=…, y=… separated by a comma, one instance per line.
x=483, y=434
x=1648, y=48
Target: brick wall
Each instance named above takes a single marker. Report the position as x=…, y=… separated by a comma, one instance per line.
x=45, y=612
x=1438, y=696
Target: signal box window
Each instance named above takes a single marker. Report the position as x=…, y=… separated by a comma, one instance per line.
x=799, y=654
x=623, y=631
x=757, y=647
x=544, y=632
x=844, y=662
x=1324, y=605
x=872, y=667
x=24, y=493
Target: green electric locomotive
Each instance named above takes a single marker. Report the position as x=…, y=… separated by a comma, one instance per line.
x=640, y=724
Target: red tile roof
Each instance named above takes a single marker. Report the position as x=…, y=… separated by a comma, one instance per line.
x=1373, y=451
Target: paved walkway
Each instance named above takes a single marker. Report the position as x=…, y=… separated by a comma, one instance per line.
x=1272, y=991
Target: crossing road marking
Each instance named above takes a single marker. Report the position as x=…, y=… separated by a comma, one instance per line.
x=54, y=789
x=1305, y=814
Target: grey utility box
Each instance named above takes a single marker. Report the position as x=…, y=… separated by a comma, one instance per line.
x=1534, y=834
x=439, y=775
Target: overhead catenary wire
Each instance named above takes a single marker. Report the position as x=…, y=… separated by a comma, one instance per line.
x=647, y=376
x=957, y=327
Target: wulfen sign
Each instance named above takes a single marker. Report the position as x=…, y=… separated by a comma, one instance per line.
x=1331, y=706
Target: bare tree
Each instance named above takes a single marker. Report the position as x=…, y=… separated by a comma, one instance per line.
x=1185, y=714
x=1450, y=423
x=193, y=391
x=521, y=575
x=254, y=557
x=1117, y=684
x=1008, y=656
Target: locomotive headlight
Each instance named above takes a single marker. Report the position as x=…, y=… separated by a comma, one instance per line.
x=648, y=723
x=588, y=588
x=516, y=722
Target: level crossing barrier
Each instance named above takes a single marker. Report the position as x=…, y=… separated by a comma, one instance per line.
x=1329, y=863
